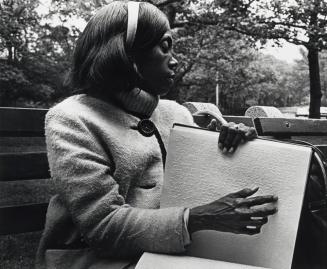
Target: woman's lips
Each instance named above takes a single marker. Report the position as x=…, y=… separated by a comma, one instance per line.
x=172, y=76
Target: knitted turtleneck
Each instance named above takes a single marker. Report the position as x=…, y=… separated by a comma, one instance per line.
x=138, y=102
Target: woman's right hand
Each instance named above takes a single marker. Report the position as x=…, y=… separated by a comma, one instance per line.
x=234, y=213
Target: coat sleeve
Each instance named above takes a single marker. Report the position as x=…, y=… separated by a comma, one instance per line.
x=82, y=171
x=187, y=116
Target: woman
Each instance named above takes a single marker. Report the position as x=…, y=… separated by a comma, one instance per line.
x=106, y=150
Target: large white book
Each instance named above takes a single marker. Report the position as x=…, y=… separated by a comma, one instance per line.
x=197, y=172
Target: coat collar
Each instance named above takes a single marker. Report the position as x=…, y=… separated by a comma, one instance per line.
x=138, y=102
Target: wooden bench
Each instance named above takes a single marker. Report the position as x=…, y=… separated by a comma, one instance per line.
x=23, y=157
x=313, y=131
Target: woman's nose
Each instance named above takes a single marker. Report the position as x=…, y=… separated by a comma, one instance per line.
x=172, y=64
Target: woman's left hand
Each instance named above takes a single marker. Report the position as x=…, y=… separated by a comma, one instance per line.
x=232, y=134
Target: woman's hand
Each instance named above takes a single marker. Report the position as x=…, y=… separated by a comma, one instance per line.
x=234, y=213
x=232, y=134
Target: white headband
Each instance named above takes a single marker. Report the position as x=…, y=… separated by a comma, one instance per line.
x=133, y=15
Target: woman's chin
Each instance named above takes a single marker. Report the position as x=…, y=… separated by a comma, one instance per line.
x=169, y=85
x=164, y=92
x=161, y=91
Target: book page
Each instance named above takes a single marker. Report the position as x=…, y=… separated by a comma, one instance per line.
x=161, y=261
x=197, y=172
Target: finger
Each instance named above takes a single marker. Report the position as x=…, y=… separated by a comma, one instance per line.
x=212, y=125
x=250, y=134
x=251, y=230
x=244, y=193
x=237, y=140
x=229, y=138
x=267, y=210
x=259, y=200
x=222, y=136
x=256, y=221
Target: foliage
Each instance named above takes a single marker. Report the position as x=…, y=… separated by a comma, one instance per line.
x=17, y=20
x=34, y=55
x=209, y=56
x=301, y=22
x=35, y=51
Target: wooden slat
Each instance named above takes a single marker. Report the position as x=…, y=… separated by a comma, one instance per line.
x=204, y=120
x=22, y=219
x=17, y=166
x=22, y=144
x=22, y=121
x=240, y=119
x=290, y=127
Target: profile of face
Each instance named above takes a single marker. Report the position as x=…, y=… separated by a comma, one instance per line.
x=103, y=64
x=157, y=66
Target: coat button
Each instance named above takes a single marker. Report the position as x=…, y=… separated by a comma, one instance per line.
x=146, y=127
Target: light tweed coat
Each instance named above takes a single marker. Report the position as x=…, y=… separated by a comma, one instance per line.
x=108, y=179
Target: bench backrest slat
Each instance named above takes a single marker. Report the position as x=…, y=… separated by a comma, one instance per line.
x=23, y=166
x=22, y=219
x=22, y=157
x=290, y=127
x=240, y=119
x=22, y=122
x=204, y=120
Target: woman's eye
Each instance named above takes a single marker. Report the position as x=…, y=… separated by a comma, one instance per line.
x=165, y=46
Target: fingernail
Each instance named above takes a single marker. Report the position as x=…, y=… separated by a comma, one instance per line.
x=224, y=150
x=231, y=150
x=220, y=145
x=255, y=189
x=275, y=197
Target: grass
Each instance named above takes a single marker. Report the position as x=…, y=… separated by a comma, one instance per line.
x=18, y=251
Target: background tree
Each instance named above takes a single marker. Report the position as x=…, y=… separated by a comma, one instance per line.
x=33, y=55
x=301, y=22
x=211, y=54
x=35, y=52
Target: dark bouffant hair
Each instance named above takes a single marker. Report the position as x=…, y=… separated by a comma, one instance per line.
x=101, y=62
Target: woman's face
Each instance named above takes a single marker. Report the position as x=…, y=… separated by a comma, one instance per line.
x=157, y=67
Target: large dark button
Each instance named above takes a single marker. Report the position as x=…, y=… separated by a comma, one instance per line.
x=146, y=127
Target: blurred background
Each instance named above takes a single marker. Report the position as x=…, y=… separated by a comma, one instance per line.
x=234, y=53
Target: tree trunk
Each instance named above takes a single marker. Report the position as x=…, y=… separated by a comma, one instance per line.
x=10, y=54
x=315, y=86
